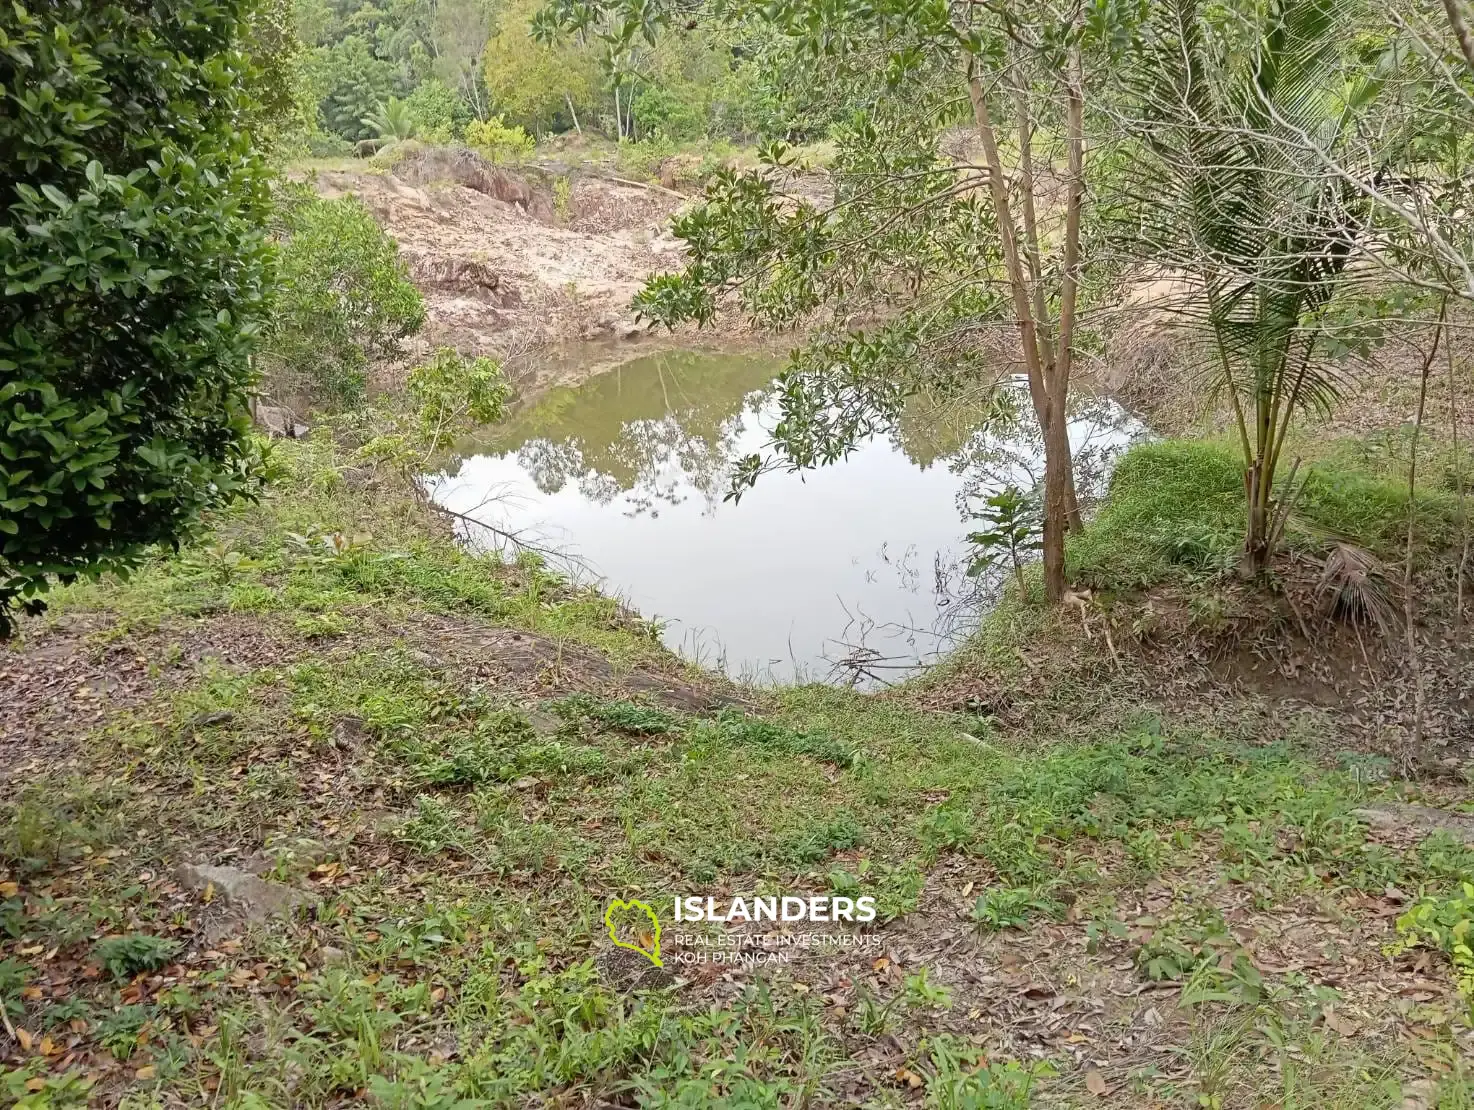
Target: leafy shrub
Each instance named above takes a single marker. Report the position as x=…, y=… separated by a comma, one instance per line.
x=662, y=111
x=439, y=114
x=497, y=142
x=1012, y=527
x=345, y=297
x=392, y=121
x=134, y=263
x=127, y=956
x=1445, y=925
x=453, y=394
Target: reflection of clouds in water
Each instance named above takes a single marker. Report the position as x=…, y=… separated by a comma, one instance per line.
x=865, y=555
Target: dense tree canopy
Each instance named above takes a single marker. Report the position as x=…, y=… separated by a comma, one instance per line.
x=134, y=262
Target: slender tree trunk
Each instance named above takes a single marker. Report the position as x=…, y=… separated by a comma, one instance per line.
x=569, y=101
x=1057, y=467
x=1461, y=31
x=1459, y=487
x=1045, y=378
x=1409, y=613
x=1070, y=279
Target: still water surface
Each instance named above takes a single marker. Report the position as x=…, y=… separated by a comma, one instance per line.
x=628, y=473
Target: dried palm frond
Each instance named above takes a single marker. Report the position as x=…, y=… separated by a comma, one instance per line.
x=1353, y=585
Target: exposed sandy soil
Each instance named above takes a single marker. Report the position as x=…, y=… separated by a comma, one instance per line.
x=504, y=272
x=1160, y=364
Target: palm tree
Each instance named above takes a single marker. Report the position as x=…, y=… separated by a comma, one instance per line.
x=391, y=122
x=1238, y=142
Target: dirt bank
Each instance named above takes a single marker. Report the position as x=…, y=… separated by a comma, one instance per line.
x=505, y=268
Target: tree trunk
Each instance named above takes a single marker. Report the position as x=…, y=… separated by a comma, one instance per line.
x=1459, y=488
x=1070, y=278
x=1057, y=482
x=1461, y=31
x=1045, y=380
x=1409, y=612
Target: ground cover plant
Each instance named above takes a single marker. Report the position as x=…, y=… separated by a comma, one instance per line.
x=458, y=762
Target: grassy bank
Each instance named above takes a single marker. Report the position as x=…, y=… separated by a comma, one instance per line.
x=453, y=765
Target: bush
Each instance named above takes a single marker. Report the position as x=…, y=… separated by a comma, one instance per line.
x=439, y=114
x=134, y=262
x=345, y=297
x=497, y=142
x=662, y=111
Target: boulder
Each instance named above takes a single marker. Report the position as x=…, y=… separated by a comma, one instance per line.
x=280, y=421
x=245, y=895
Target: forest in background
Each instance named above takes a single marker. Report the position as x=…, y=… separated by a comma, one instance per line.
x=432, y=69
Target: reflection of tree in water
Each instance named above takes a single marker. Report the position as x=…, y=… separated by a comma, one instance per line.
x=650, y=429
x=988, y=445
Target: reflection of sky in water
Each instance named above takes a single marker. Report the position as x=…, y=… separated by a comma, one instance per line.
x=629, y=471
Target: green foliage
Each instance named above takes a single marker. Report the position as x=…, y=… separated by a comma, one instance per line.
x=392, y=120
x=820, y=839
x=1444, y=924
x=1239, y=196
x=901, y=231
x=1176, y=511
x=439, y=115
x=532, y=83
x=134, y=264
x=345, y=297
x=624, y=716
x=664, y=112
x=1012, y=528
x=497, y=142
x=119, y=1031
x=127, y=956
x=733, y=727
x=353, y=82
x=1176, y=504
x=40, y=830
x=961, y=1077
x=275, y=53
x=1012, y=908
x=452, y=395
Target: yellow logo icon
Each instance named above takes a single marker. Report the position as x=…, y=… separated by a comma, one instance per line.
x=646, y=928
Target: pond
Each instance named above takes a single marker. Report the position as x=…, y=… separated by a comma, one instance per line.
x=854, y=572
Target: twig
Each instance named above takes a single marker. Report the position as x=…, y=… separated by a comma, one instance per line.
x=641, y=185
x=513, y=538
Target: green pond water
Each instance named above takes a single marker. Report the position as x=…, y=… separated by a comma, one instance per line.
x=808, y=574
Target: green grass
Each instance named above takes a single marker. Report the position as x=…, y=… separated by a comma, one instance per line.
x=464, y=837
x=1176, y=512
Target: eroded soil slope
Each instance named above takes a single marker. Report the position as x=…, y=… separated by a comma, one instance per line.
x=504, y=270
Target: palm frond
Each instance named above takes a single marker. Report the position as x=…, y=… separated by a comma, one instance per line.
x=1353, y=586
